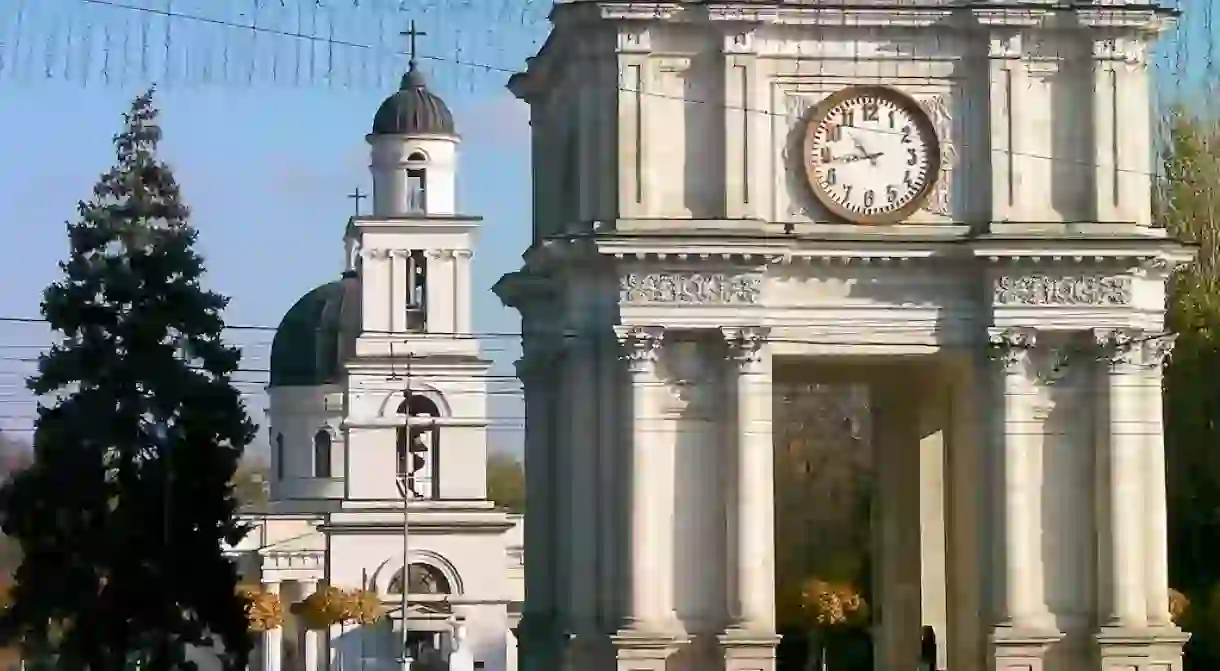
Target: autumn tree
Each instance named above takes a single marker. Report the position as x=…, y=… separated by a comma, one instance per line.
x=124, y=511
x=506, y=482
x=1188, y=204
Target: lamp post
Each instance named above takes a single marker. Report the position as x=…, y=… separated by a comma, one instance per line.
x=405, y=491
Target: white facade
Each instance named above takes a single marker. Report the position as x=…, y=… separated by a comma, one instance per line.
x=1010, y=330
x=378, y=401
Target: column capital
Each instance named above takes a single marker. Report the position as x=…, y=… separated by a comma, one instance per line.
x=745, y=344
x=639, y=345
x=1010, y=346
x=1157, y=349
x=1119, y=346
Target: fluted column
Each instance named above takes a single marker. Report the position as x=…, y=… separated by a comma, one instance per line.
x=1024, y=608
x=754, y=540
x=1123, y=450
x=1156, y=505
x=652, y=601
x=273, y=639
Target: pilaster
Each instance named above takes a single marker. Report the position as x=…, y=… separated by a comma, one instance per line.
x=581, y=449
x=1155, y=504
x=741, y=114
x=273, y=639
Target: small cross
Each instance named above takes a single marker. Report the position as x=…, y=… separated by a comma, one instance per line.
x=411, y=34
x=357, y=196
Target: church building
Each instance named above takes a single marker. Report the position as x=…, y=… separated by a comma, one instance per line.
x=378, y=413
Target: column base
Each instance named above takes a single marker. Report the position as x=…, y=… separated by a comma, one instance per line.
x=746, y=650
x=1143, y=649
x=1021, y=649
x=640, y=650
x=540, y=643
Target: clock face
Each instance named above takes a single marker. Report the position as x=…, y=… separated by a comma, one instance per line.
x=871, y=155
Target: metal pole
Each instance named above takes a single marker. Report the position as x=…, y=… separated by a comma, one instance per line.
x=405, y=491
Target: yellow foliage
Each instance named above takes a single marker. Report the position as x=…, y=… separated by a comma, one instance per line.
x=325, y=607
x=263, y=608
x=827, y=604
x=363, y=606
x=1178, y=605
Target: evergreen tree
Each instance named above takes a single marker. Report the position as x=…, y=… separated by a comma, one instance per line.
x=122, y=515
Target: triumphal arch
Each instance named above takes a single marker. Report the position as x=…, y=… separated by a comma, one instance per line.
x=945, y=202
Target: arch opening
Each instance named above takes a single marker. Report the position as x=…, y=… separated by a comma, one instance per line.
x=417, y=448
x=322, y=448
x=421, y=579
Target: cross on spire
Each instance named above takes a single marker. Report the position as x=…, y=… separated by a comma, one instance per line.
x=357, y=196
x=411, y=34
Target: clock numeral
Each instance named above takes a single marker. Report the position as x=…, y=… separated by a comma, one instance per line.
x=869, y=197
x=870, y=111
x=835, y=133
x=827, y=157
x=830, y=177
x=906, y=178
x=906, y=134
x=912, y=157
x=849, y=118
x=891, y=193
x=847, y=192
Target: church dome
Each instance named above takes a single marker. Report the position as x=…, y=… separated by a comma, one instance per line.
x=316, y=334
x=413, y=110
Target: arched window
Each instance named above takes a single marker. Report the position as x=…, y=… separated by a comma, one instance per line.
x=321, y=454
x=279, y=456
x=417, y=447
x=423, y=579
x=417, y=183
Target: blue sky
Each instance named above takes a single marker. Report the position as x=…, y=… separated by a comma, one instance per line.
x=266, y=165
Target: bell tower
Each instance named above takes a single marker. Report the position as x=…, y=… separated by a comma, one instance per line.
x=415, y=382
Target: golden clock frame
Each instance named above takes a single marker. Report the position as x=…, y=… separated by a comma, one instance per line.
x=900, y=100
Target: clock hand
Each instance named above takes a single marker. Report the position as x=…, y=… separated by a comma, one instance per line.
x=872, y=158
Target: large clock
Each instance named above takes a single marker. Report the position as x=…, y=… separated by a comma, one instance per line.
x=871, y=155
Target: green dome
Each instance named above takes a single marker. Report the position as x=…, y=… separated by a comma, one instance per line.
x=316, y=334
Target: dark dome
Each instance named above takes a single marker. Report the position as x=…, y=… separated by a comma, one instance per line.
x=316, y=334
x=413, y=110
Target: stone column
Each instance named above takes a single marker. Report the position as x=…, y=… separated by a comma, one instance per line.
x=312, y=637
x=537, y=629
x=754, y=541
x=1123, y=445
x=1026, y=629
x=652, y=604
x=1155, y=505
x=273, y=639
x=1024, y=608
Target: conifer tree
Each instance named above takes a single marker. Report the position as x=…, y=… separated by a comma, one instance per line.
x=122, y=515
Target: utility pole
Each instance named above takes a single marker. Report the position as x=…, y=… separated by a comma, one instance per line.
x=405, y=491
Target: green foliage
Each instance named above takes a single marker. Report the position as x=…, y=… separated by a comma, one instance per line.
x=1189, y=205
x=122, y=514
x=506, y=482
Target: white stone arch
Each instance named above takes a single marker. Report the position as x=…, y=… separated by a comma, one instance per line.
x=389, y=404
x=386, y=571
x=417, y=156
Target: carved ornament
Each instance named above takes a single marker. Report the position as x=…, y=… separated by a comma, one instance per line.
x=640, y=345
x=1010, y=346
x=697, y=288
x=1073, y=290
x=1157, y=349
x=1119, y=346
x=940, y=200
x=745, y=344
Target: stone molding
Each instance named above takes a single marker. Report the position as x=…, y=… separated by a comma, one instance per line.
x=640, y=346
x=1038, y=290
x=690, y=287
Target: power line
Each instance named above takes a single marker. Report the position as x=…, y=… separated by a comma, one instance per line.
x=500, y=69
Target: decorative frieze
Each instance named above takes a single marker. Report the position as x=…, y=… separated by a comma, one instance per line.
x=1096, y=290
x=684, y=287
